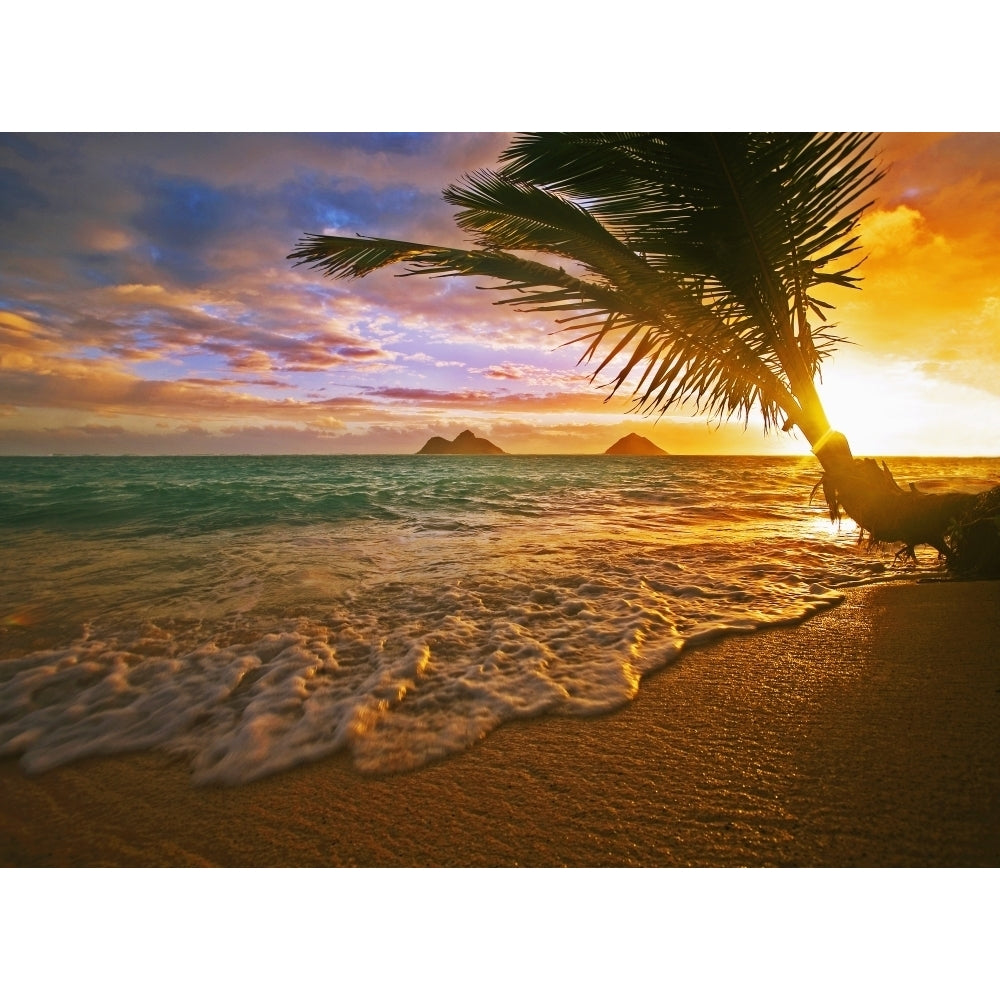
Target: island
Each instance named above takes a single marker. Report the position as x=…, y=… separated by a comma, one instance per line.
x=465, y=444
x=635, y=444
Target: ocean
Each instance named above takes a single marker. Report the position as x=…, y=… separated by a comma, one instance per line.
x=247, y=614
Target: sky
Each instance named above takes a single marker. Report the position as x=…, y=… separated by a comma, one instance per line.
x=147, y=306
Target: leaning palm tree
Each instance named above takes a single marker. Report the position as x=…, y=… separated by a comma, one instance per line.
x=692, y=269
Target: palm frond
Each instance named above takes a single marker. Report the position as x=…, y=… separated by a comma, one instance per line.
x=701, y=253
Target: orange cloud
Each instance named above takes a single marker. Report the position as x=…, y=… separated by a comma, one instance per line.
x=896, y=231
x=932, y=277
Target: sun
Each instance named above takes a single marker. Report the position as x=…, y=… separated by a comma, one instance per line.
x=896, y=407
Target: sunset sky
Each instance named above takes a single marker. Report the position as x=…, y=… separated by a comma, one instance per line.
x=146, y=305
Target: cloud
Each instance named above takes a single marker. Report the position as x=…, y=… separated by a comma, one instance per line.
x=548, y=378
x=894, y=232
x=186, y=440
x=258, y=351
x=436, y=396
x=99, y=430
x=511, y=372
x=34, y=376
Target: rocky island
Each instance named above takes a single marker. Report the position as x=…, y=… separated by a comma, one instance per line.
x=635, y=444
x=465, y=444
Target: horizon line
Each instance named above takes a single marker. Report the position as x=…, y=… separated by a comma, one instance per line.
x=415, y=454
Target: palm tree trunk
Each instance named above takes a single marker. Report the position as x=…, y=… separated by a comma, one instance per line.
x=869, y=494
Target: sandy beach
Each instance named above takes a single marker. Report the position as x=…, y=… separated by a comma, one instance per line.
x=866, y=736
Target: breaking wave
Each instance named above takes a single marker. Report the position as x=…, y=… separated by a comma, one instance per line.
x=253, y=614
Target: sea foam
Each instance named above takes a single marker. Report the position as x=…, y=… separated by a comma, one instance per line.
x=487, y=593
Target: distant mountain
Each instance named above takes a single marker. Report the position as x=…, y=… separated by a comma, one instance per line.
x=465, y=444
x=634, y=444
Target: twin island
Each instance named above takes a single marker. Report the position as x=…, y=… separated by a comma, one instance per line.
x=468, y=444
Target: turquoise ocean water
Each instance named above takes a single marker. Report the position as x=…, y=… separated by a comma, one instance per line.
x=252, y=613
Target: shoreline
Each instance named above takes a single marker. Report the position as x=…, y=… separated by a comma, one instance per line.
x=864, y=735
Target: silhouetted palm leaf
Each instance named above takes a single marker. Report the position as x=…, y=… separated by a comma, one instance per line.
x=693, y=258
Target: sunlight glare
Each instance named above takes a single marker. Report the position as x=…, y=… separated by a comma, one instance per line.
x=897, y=409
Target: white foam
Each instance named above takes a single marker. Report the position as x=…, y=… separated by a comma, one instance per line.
x=396, y=687
x=247, y=653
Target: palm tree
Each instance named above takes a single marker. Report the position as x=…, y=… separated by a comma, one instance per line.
x=690, y=266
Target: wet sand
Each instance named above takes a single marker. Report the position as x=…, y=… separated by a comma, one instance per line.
x=867, y=736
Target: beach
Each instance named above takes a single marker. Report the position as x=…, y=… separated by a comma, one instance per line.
x=865, y=736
